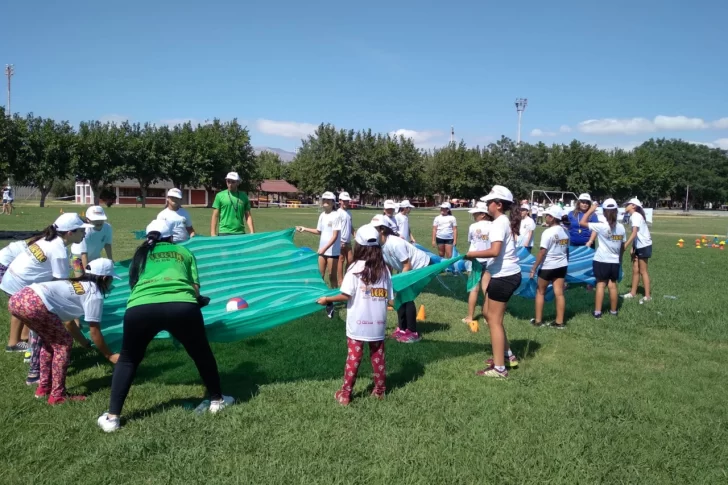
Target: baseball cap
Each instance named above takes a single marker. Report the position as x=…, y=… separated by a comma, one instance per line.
x=610, y=204
x=498, y=192
x=328, y=195
x=378, y=221
x=162, y=227
x=176, y=193
x=525, y=207
x=233, y=176
x=634, y=201
x=367, y=235
x=389, y=204
x=554, y=211
x=102, y=267
x=480, y=207
x=585, y=196
x=445, y=205
x=344, y=196
x=70, y=221
x=405, y=204
x=96, y=213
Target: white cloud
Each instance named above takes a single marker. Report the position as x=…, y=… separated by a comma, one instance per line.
x=113, y=118
x=721, y=143
x=540, y=133
x=565, y=129
x=288, y=129
x=721, y=124
x=419, y=137
x=679, y=123
x=631, y=126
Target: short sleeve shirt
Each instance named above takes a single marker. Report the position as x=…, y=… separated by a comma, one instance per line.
x=180, y=220
x=71, y=299
x=345, y=225
x=403, y=226
x=555, y=240
x=396, y=251
x=232, y=207
x=169, y=276
x=609, y=242
x=366, y=315
x=445, y=225
x=327, y=224
x=94, y=242
x=506, y=263
x=41, y=261
x=644, y=238
x=479, y=237
x=527, y=225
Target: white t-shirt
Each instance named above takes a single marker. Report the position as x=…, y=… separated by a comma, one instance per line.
x=555, y=240
x=345, y=225
x=540, y=211
x=327, y=224
x=643, y=238
x=445, y=225
x=506, y=263
x=391, y=222
x=396, y=251
x=6, y=195
x=527, y=225
x=71, y=299
x=366, y=310
x=94, y=242
x=610, y=241
x=479, y=237
x=41, y=261
x=403, y=226
x=180, y=220
x=11, y=251
x=534, y=211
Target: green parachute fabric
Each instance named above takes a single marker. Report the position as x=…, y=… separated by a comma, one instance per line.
x=279, y=281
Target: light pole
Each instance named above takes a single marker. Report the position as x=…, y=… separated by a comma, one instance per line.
x=520, y=107
x=9, y=71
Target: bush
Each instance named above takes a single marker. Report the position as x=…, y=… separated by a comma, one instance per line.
x=63, y=188
x=108, y=196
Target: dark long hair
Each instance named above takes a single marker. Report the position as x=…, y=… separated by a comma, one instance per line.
x=374, y=265
x=49, y=234
x=611, y=216
x=641, y=211
x=103, y=283
x=515, y=216
x=139, y=262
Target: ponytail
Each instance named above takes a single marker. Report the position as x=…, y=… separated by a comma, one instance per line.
x=611, y=216
x=102, y=282
x=565, y=221
x=641, y=211
x=139, y=262
x=515, y=217
x=49, y=234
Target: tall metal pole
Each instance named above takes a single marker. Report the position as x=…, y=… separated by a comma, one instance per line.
x=9, y=71
x=452, y=134
x=687, y=196
x=521, y=104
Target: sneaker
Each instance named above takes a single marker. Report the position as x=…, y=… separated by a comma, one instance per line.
x=614, y=314
x=26, y=357
x=108, y=424
x=330, y=310
x=492, y=372
x=557, y=326
x=645, y=300
x=52, y=400
x=19, y=347
x=32, y=380
x=42, y=392
x=597, y=315
x=410, y=337
x=378, y=395
x=535, y=323
x=628, y=296
x=217, y=406
x=510, y=362
x=342, y=398
x=398, y=332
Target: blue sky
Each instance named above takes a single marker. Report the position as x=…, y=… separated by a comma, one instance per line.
x=611, y=73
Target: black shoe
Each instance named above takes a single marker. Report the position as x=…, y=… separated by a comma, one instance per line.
x=330, y=310
x=597, y=315
x=535, y=323
x=557, y=326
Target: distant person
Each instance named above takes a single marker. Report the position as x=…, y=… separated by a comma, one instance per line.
x=390, y=207
x=98, y=237
x=540, y=213
x=534, y=212
x=579, y=235
x=177, y=216
x=528, y=229
x=402, y=219
x=8, y=200
x=367, y=290
x=231, y=209
x=641, y=241
x=479, y=239
x=445, y=231
x=346, y=234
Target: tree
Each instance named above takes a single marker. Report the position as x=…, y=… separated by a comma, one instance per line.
x=9, y=145
x=45, y=153
x=145, y=152
x=179, y=167
x=239, y=155
x=270, y=166
x=98, y=157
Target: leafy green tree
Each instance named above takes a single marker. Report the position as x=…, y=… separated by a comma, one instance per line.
x=98, y=156
x=146, y=150
x=9, y=145
x=270, y=166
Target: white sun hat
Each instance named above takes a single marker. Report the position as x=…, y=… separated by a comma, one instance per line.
x=344, y=196
x=233, y=176
x=610, y=204
x=445, y=205
x=164, y=228
x=554, y=211
x=102, y=267
x=525, y=207
x=480, y=207
x=328, y=195
x=367, y=235
x=70, y=221
x=498, y=192
x=405, y=204
x=585, y=196
x=634, y=201
x=389, y=204
x=176, y=193
x=96, y=213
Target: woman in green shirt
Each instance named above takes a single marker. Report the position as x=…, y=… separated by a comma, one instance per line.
x=165, y=295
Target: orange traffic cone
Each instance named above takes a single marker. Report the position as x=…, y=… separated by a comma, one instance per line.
x=421, y=314
x=473, y=324
x=83, y=214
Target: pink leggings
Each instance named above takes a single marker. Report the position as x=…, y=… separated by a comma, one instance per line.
x=353, y=359
x=55, y=353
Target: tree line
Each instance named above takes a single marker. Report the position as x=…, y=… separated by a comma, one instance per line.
x=38, y=151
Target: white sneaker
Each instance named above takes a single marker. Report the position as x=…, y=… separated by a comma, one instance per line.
x=108, y=424
x=628, y=296
x=217, y=406
x=645, y=300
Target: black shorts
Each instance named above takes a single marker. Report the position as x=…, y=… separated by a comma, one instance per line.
x=447, y=242
x=329, y=257
x=501, y=289
x=606, y=271
x=643, y=253
x=552, y=274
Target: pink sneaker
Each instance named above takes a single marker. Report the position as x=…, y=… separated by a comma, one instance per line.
x=68, y=397
x=397, y=333
x=409, y=337
x=510, y=362
x=342, y=398
x=41, y=392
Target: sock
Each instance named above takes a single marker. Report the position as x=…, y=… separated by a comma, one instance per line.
x=597, y=313
x=613, y=312
x=500, y=368
x=508, y=353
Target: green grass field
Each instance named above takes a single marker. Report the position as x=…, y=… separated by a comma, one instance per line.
x=636, y=399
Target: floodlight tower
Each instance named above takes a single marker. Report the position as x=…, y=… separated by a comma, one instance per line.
x=9, y=71
x=521, y=104
x=452, y=134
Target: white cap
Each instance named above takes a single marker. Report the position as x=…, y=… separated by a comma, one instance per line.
x=405, y=204
x=377, y=221
x=367, y=235
x=585, y=196
x=498, y=192
x=634, y=201
x=233, y=176
x=344, y=196
x=445, y=205
x=328, y=195
x=554, y=211
x=70, y=221
x=162, y=227
x=525, y=207
x=176, y=193
x=610, y=204
x=102, y=267
x=389, y=204
x=480, y=207
x=96, y=213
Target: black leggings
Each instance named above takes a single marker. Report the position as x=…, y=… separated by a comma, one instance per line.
x=141, y=324
x=407, y=314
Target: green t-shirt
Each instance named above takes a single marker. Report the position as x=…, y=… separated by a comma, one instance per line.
x=232, y=207
x=168, y=276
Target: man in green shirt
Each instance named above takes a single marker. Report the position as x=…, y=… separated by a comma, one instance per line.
x=230, y=208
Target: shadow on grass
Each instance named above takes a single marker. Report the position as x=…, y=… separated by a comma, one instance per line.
x=18, y=235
